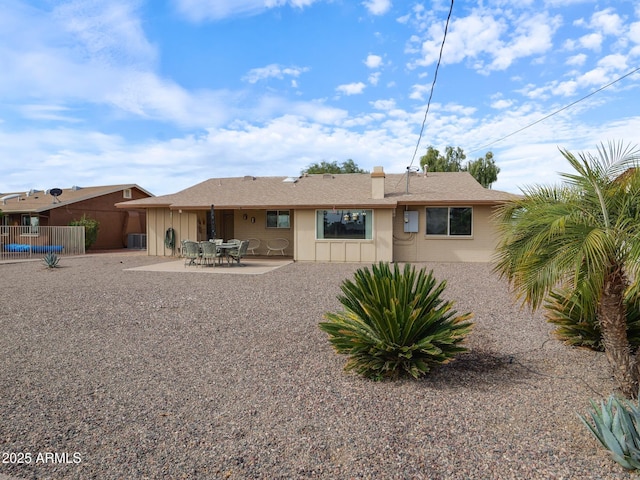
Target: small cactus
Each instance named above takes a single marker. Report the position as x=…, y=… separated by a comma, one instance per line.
x=51, y=260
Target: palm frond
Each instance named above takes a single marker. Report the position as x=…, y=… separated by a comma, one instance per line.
x=562, y=234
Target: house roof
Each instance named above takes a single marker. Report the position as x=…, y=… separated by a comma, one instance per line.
x=38, y=201
x=351, y=190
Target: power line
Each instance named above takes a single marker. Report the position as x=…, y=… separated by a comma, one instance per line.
x=557, y=111
x=433, y=84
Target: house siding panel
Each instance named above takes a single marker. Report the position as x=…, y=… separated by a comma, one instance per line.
x=418, y=247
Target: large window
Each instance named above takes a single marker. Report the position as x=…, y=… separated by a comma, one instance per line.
x=278, y=219
x=344, y=224
x=451, y=221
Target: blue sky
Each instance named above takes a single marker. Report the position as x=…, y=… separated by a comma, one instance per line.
x=169, y=93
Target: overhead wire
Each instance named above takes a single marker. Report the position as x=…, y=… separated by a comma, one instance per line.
x=557, y=111
x=433, y=84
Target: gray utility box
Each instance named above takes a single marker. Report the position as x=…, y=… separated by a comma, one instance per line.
x=411, y=221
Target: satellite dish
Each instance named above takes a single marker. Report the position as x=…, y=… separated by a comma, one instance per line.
x=55, y=193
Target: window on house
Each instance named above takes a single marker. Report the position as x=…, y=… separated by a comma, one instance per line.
x=344, y=224
x=450, y=221
x=126, y=193
x=30, y=225
x=278, y=219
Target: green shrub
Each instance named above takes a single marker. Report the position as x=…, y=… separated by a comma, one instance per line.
x=51, y=260
x=577, y=324
x=394, y=322
x=91, y=228
x=615, y=424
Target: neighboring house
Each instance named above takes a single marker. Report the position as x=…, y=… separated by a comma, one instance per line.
x=336, y=217
x=37, y=208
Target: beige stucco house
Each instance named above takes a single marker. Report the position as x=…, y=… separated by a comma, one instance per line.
x=368, y=218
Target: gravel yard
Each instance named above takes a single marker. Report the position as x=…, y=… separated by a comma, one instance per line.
x=134, y=374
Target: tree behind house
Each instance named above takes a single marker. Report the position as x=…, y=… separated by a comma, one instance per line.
x=91, y=227
x=348, y=166
x=483, y=169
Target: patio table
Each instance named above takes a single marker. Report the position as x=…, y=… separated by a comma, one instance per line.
x=225, y=248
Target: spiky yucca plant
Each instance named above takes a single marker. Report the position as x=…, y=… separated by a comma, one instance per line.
x=616, y=425
x=51, y=260
x=395, y=322
x=577, y=324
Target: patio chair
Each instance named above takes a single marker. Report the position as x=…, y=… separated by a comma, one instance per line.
x=240, y=253
x=190, y=252
x=254, y=244
x=209, y=253
x=277, y=245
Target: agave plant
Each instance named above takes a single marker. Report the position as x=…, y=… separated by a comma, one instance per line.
x=395, y=322
x=51, y=260
x=615, y=424
x=577, y=324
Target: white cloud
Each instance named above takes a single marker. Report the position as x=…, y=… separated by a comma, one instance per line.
x=377, y=7
x=491, y=42
x=501, y=104
x=48, y=112
x=109, y=32
x=202, y=10
x=351, y=88
x=384, y=104
x=566, y=89
x=592, y=41
x=468, y=37
x=373, y=61
x=273, y=71
x=533, y=36
x=615, y=62
x=595, y=77
x=607, y=22
x=577, y=60
x=634, y=32
x=418, y=92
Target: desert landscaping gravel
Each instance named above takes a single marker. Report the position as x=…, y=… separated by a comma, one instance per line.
x=120, y=374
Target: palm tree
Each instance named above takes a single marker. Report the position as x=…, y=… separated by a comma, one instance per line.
x=583, y=234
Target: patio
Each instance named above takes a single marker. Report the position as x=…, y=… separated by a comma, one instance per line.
x=249, y=266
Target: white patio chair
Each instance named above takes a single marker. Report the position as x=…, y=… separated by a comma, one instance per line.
x=277, y=245
x=254, y=244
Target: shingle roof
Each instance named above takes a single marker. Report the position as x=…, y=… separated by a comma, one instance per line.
x=318, y=191
x=38, y=201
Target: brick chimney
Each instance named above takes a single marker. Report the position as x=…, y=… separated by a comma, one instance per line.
x=377, y=183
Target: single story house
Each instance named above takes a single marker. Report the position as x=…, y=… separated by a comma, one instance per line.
x=411, y=217
x=60, y=206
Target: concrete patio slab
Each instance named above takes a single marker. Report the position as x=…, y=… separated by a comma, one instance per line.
x=247, y=267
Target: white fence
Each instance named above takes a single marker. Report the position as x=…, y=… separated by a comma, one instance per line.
x=34, y=242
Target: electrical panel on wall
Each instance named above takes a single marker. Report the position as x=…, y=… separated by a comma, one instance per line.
x=411, y=221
